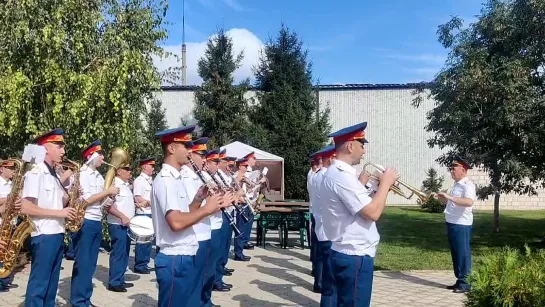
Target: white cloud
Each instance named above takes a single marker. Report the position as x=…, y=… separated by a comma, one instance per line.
x=243, y=40
x=233, y=4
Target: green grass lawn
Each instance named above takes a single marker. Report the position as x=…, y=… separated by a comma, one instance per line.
x=415, y=240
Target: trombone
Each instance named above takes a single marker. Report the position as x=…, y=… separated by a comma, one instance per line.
x=397, y=187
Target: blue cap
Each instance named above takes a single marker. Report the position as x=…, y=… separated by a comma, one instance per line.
x=459, y=161
x=54, y=136
x=148, y=161
x=95, y=146
x=242, y=162
x=352, y=133
x=181, y=135
x=200, y=146
x=230, y=158
x=213, y=155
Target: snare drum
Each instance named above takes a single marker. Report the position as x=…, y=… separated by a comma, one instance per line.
x=141, y=229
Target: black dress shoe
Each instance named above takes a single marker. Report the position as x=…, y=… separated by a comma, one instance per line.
x=227, y=285
x=12, y=286
x=460, y=290
x=128, y=285
x=221, y=288
x=244, y=258
x=316, y=289
x=249, y=246
x=452, y=287
x=117, y=289
x=228, y=270
x=225, y=273
x=2, y=290
x=141, y=271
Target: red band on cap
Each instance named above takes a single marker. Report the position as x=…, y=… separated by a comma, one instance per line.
x=199, y=147
x=91, y=151
x=176, y=137
x=51, y=139
x=356, y=135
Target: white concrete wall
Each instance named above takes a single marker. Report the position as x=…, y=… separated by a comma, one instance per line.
x=395, y=132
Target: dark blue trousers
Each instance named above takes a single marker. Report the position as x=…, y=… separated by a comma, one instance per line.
x=142, y=254
x=202, y=261
x=313, y=242
x=72, y=245
x=119, y=256
x=86, y=257
x=176, y=277
x=354, y=279
x=246, y=229
x=323, y=277
x=5, y=282
x=216, y=250
x=226, y=234
x=458, y=239
x=46, y=251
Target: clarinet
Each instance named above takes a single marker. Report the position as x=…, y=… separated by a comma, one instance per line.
x=210, y=189
x=238, y=187
x=239, y=210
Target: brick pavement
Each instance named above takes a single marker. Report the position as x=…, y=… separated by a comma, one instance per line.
x=274, y=277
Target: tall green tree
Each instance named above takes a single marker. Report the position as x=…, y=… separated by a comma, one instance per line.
x=220, y=106
x=288, y=109
x=490, y=101
x=85, y=66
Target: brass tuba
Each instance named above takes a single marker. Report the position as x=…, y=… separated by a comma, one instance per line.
x=24, y=229
x=75, y=201
x=397, y=187
x=118, y=158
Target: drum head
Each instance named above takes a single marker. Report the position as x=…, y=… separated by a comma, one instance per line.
x=141, y=225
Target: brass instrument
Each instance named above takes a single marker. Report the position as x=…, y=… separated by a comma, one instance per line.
x=118, y=158
x=397, y=187
x=24, y=229
x=238, y=188
x=74, y=199
x=226, y=188
x=213, y=189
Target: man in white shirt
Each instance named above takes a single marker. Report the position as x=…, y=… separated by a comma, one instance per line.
x=6, y=174
x=43, y=201
x=315, y=164
x=323, y=277
x=240, y=242
x=459, y=218
x=119, y=217
x=349, y=215
x=174, y=214
x=142, y=196
x=226, y=229
x=89, y=237
x=216, y=221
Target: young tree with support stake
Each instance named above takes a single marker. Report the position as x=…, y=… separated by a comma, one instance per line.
x=490, y=101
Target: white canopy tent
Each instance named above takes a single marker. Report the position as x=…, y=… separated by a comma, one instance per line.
x=274, y=163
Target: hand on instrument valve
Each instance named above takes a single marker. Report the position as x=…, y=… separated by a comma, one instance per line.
x=113, y=190
x=230, y=197
x=364, y=177
x=202, y=193
x=69, y=213
x=214, y=203
x=389, y=176
x=107, y=204
x=17, y=203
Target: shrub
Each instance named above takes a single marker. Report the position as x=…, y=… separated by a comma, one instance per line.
x=508, y=278
x=432, y=184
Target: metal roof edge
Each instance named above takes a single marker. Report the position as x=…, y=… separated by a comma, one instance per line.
x=352, y=86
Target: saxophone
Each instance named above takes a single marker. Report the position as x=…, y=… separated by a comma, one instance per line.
x=24, y=229
x=74, y=198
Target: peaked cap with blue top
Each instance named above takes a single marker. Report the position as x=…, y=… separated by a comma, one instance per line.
x=352, y=133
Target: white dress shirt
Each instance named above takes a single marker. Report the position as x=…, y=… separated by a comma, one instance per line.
x=318, y=205
x=343, y=196
x=123, y=202
x=169, y=194
x=142, y=188
x=5, y=189
x=192, y=183
x=41, y=185
x=461, y=215
x=91, y=182
x=216, y=218
x=310, y=176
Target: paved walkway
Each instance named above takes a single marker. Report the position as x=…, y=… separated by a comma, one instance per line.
x=274, y=277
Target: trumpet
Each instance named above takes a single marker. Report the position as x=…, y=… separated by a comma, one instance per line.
x=397, y=187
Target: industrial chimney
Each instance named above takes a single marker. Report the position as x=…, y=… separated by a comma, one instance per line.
x=184, y=55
